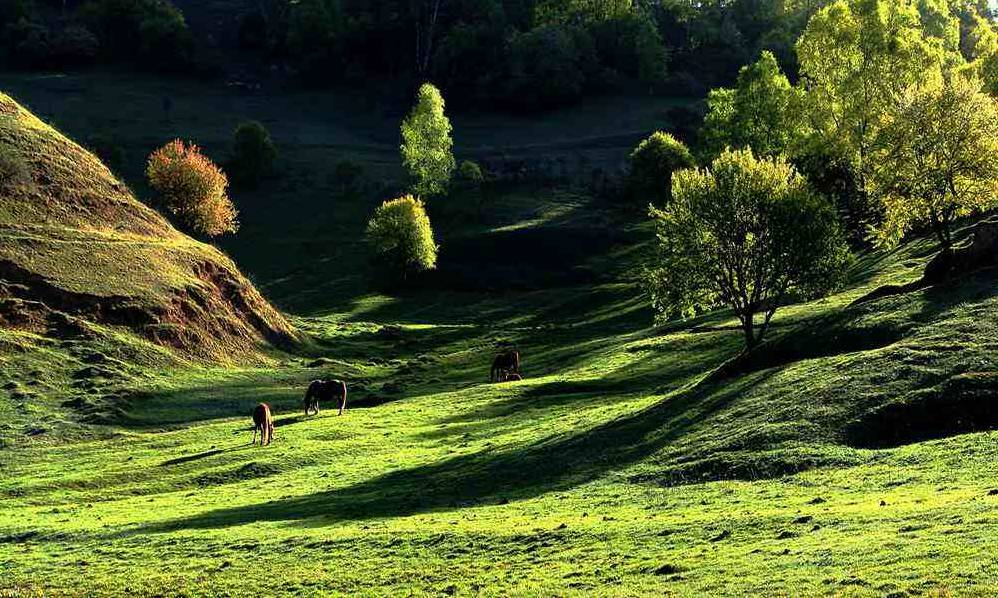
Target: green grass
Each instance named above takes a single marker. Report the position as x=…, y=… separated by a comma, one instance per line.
x=614, y=468
x=632, y=460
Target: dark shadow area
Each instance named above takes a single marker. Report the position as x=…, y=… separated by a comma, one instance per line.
x=189, y=458
x=964, y=404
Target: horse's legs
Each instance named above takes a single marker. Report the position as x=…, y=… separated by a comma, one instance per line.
x=255, y=428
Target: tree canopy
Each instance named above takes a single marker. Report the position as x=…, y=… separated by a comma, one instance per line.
x=748, y=233
x=937, y=159
x=760, y=112
x=401, y=236
x=426, y=144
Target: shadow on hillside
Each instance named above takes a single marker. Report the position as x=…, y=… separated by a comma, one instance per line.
x=488, y=477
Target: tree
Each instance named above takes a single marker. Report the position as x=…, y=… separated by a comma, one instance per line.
x=938, y=159
x=857, y=58
x=253, y=152
x=747, y=233
x=192, y=187
x=761, y=112
x=652, y=164
x=401, y=236
x=426, y=144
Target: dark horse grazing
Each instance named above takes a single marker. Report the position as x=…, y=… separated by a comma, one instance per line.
x=325, y=390
x=505, y=366
x=263, y=422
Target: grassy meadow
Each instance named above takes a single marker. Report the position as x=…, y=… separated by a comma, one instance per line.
x=632, y=459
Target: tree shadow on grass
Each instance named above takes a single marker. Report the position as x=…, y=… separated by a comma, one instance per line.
x=487, y=477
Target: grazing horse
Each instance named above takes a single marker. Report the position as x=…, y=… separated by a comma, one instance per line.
x=324, y=390
x=263, y=422
x=504, y=365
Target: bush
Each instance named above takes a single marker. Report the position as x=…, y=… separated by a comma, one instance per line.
x=192, y=187
x=651, y=166
x=253, y=153
x=470, y=173
x=13, y=169
x=402, y=238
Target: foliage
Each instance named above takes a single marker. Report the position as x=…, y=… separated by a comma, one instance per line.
x=75, y=45
x=652, y=164
x=548, y=66
x=253, y=152
x=312, y=32
x=470, y=172
x=152, y=32
x=835, y=177
x=857, y=58
x=190, y=185
x=426, y=144
x=629, y=43
x=747, y=233
x=937, y=159
x=401, y=236
x=761, y=112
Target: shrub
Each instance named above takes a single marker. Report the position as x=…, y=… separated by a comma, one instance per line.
x=13, y=169
x=651, y=166
x=192, y=187
x=470, y=173
x=402, y=238
x=747, y=233
x=253, y=152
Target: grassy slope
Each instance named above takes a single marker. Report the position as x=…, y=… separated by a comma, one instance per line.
x=616, y=467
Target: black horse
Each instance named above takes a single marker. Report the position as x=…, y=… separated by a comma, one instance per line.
x=505, y=364
x=325, y=390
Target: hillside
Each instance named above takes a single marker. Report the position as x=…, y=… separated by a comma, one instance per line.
x=77, y=247
x=852, y=454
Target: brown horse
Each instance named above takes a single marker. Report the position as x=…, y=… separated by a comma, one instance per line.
x=263, y=422
x=505, y=365
x=325, y=390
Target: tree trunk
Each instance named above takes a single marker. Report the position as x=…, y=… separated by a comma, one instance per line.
x=748, y=327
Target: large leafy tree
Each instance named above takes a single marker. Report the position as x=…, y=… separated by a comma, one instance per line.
x=748, y=233
x=937, y=159
x=761, y=112
x=857, y=59
x=427, y=144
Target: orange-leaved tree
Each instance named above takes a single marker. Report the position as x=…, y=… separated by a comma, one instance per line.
x=191, y=186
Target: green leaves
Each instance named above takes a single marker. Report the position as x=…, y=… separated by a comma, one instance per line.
x=937, y=159
x=747, y=233
x=761, y=112
x=401, y=236
x=427, y=144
